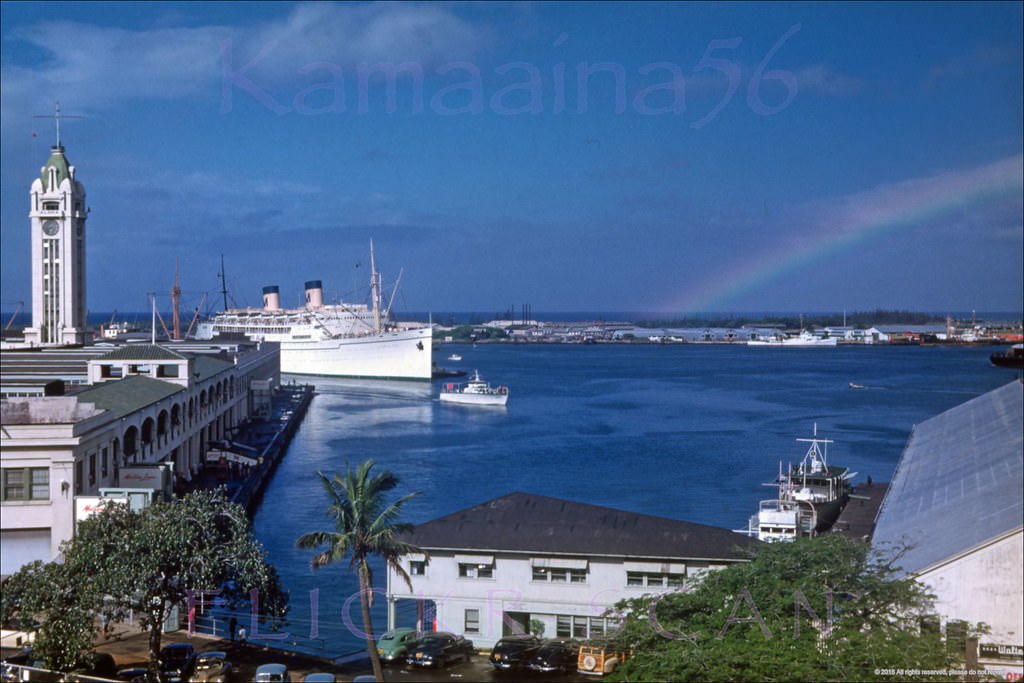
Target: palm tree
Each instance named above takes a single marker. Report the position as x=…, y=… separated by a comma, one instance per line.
x=365, y=524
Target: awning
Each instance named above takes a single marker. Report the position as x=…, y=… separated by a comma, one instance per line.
x=656, y=567
x=416, y=557
x=474, y=559
x=558, y=562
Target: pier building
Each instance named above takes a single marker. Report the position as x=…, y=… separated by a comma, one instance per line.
x=498, y=567
x=79, y=422
x=145, y=421
x=954, y=507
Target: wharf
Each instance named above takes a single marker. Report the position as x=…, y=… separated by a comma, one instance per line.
x=264, y=440
x=857, y=520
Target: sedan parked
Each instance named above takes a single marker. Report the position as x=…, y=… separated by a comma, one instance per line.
x=394, y=646
x=212, y=667
x=176, y=661
x=514, y=652
x=556, y=654
x=437, y=649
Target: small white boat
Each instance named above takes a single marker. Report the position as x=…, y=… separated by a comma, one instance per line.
x=475, y=392
x=455, y=357
x=805, y=338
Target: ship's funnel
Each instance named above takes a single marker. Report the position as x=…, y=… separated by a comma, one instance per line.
x=271, y=298
x=314, y=294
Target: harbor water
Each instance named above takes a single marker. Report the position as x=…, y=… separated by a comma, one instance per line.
x=683, y=431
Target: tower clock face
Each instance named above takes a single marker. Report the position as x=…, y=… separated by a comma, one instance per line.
x=51, y=228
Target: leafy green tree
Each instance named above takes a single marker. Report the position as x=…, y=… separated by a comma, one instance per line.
x=44, y=599
x=146, y=563
x=822, y=609
x=365, y=525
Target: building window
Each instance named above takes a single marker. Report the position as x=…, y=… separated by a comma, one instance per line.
x=92, y=469
x=567, y=626
x=417, y=568
x=472, y=623
x=25, y=483
x=654, y=579
x=476, y=571
x=78, y=476
x=103, y=463
x=559, y=575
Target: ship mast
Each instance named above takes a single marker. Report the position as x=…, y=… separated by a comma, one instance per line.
x=176, y=303
x=375, y=291
x=223, y=283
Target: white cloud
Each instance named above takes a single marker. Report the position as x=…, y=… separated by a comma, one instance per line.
x=984, y=188
x=823, y=79
x=97, y=66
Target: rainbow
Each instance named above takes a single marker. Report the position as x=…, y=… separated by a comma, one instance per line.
x=834, y=226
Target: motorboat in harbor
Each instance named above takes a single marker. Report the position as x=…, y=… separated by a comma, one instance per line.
x=338, y=340
x=475, y=391
x=810, y=497
x=805, y=338
x=1011, y=358
x=455, y=357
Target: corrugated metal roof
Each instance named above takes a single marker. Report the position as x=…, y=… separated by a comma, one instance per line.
x=125, y=396
x=524, y=522
x=142, y=352
x=958, y=483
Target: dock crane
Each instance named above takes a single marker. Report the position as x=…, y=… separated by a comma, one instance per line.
x=21, y=305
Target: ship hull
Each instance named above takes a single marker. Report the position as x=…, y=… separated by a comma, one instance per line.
x=474, y=399
x=400, y=354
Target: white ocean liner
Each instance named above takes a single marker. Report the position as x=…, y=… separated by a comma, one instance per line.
x=342, y=340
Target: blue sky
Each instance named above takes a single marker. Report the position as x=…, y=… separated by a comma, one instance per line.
x=670, y=157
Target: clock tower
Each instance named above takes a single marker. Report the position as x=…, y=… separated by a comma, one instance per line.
x=57, y=214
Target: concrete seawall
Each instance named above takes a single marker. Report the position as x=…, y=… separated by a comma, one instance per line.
x=262, y=441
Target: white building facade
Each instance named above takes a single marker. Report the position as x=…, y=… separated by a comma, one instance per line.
x=522, y=561
x=135, y=432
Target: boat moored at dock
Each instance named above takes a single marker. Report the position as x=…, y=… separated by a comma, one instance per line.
x=809, y=499
x=338, y=340
x=805, y=338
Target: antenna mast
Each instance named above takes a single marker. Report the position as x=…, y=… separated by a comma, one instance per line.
x=57, y=116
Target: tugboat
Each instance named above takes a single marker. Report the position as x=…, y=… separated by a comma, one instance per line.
x=475, y=392
x=810, y=497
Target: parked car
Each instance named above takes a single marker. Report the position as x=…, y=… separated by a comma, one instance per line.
x=514, y=652
x=555, y=654
x=212, y=667
x=103, y=665
x=395, y=645
x=176, y=661
x=439, y=648
x=598, y=660
x=319, y=678
x=272, y=673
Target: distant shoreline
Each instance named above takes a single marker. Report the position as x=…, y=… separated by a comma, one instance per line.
x=655, y=318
